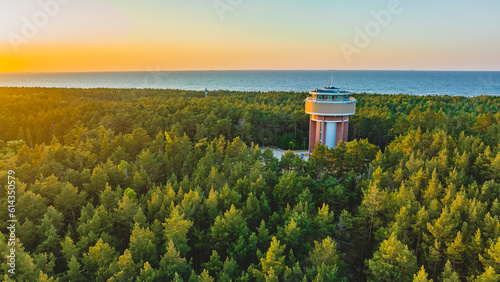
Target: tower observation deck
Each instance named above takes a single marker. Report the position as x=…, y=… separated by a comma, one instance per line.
x=329, y=109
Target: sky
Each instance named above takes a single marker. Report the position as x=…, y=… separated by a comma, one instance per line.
x=131, y=35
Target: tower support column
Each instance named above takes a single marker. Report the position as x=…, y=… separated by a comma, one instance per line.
x=312, y=134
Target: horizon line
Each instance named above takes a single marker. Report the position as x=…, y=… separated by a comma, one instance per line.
x=223, y=70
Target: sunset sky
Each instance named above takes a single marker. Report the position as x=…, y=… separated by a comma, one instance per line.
x=127, y=35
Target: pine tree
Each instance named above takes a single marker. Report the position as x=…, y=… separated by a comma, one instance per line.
x=456, y=250
x=214, y=265
x=69, y=250
x=273, y=264
x=142, y=246
x=124, y=269
x=176, y=228
x=421, y=276
x=392, y=261
x=229, y=227
x=148, y=274
x=74, y=272
x=373, y=206
x=97, y=260
x=172, y=263
x=324, y=222
x=229, y=270
x=449, y=275
x=492, y=258
x=205, y=277
x=489, y=275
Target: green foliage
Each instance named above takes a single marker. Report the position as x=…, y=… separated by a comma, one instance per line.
x=97, y=260
x=176, y=228
x=325, y=261
x=166, y=185
x=274, y=261
x=392, y=262
x=421, y=276
x=288, y=188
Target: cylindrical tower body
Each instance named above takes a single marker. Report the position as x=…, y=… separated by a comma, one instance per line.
x=329, y=109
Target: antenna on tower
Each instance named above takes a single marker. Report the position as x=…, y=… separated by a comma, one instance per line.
x=331, y=80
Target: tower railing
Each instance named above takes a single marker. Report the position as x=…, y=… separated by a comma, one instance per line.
x=339, y=100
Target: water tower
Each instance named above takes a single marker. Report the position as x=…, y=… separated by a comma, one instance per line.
x=329, y=109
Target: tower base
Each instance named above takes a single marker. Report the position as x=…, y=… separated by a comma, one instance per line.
x=327, y=130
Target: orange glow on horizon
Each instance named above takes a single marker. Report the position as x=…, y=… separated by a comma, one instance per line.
x=98, y=35
x=175, y=54
x=162, y=56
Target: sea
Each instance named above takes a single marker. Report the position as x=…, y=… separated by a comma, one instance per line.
x=453, y=83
